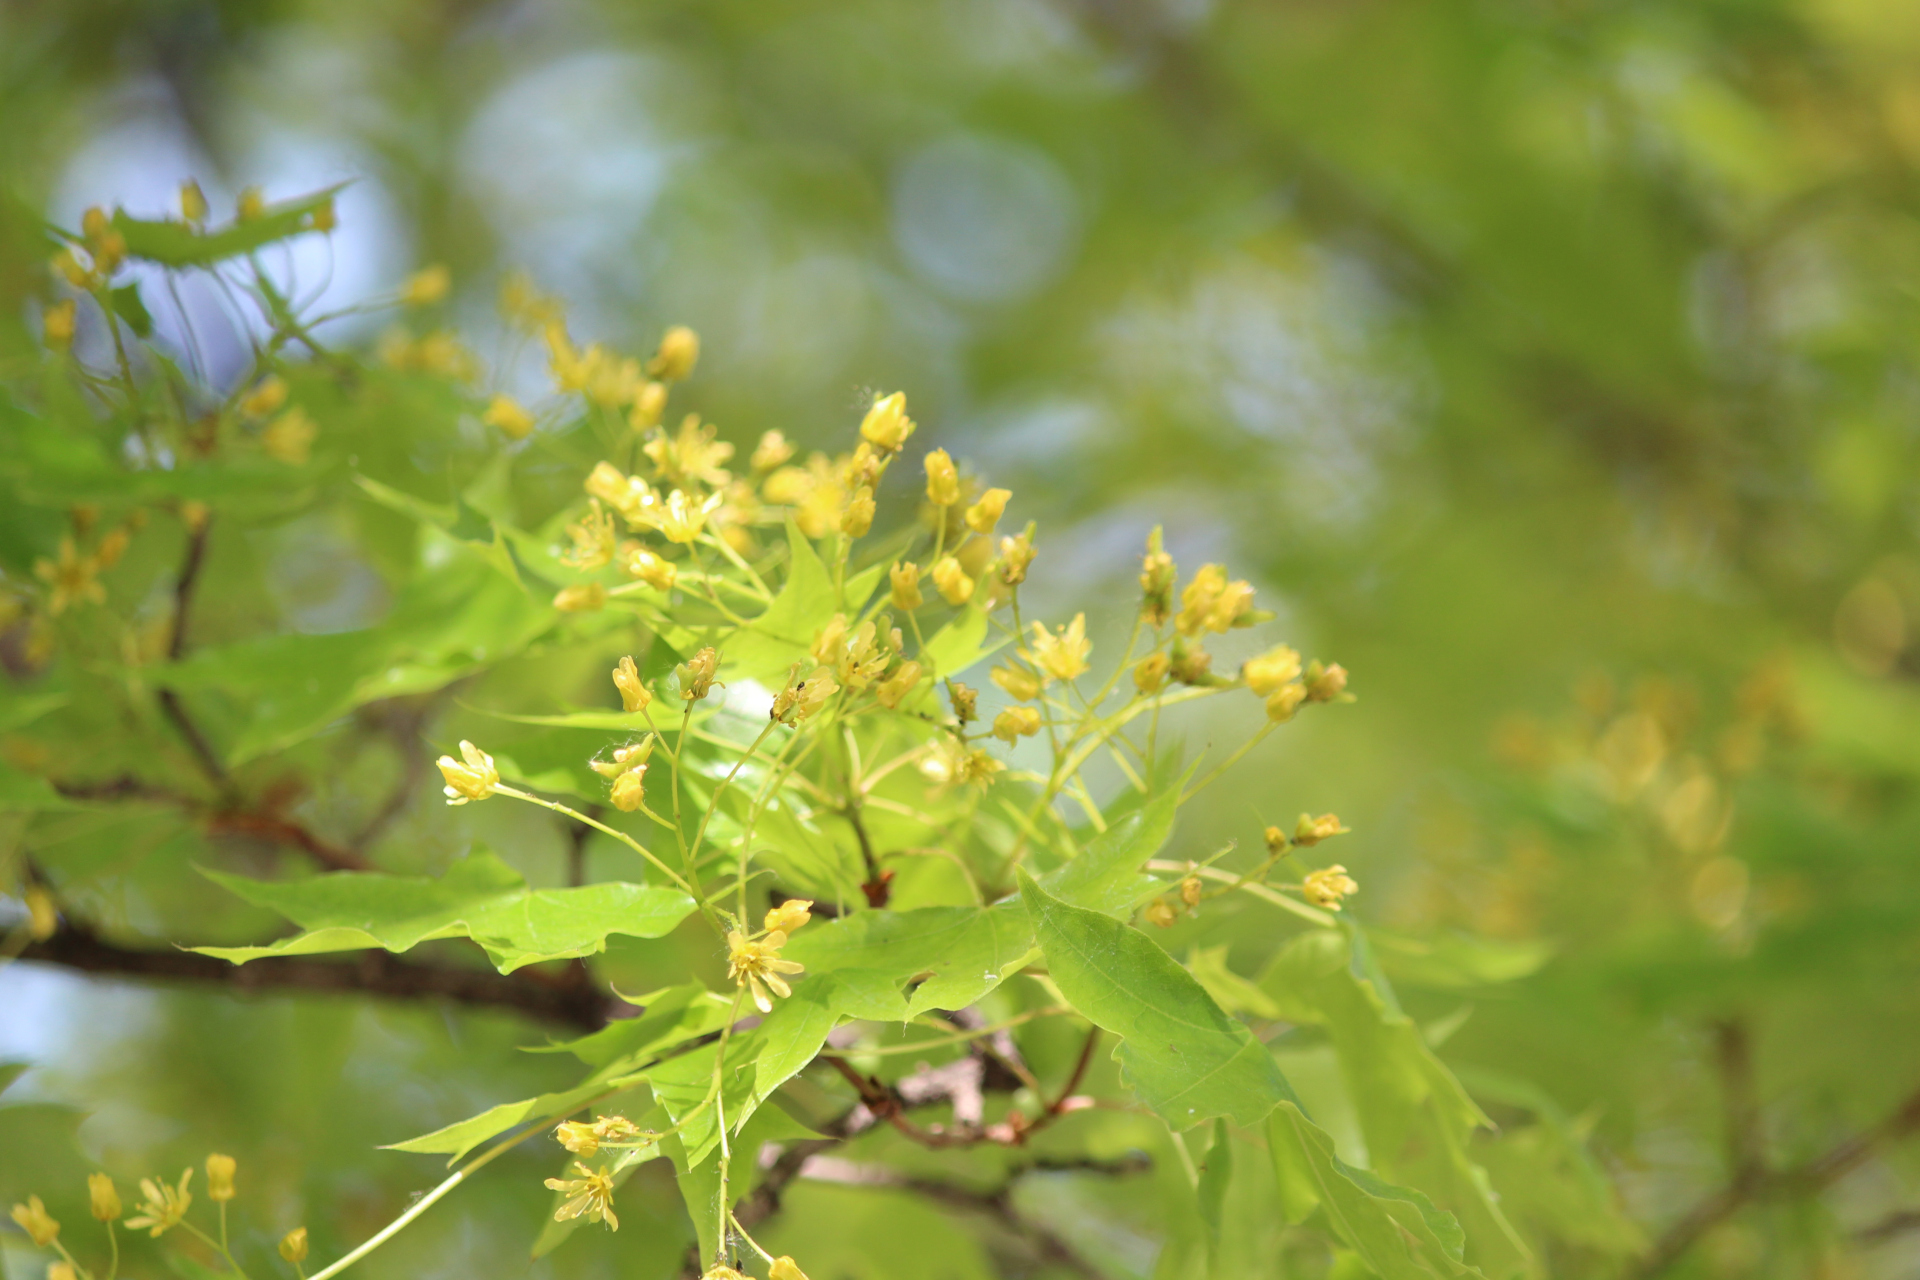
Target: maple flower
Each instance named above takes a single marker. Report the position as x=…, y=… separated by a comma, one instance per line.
x=887, y=425
x=648, y=404
x=757, y=966
x=325, y=217
x=680, y=519
x=785, y=1268
x=1015, y=723
x=34, y=1219
x=251, y=204
x=646, y=566
x=289, y=437
x=679, y=351
x=1326, y=887
x=581, y=597
x=1271, y=669
x=473, y=780
x=593, y=539
x=693, y=453
x=1211, y=603
x=1325, y=683
x=1150, y=673
x=73, y=578
x=103, y=1197
x=1310, y=830
x=788, y=916
x=965, y=699
x=905, y=575
x=584, y=1138
x=508, y=416
x=265, y=398
x=293, y=1246
x=858, y=517
x=193, y=202
x=984, y=514
x=43, y=916
x=894, y=689
x=426, y=286
x=801, y=699
x=164, y=1206
x=697, y=674
x=589, y=1196
x=954, y=582
x=1160, y=913
x=1061, y=656
x=1016, y=557
x=721, y=1271
x=634, y=695
x=57, y=322
x=220, y=1171
x=1277, y=841
x=1020, y=684
x=1284, y=701
x=943, y=481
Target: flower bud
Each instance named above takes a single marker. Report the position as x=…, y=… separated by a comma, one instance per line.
x=472, y=777
x=649, y=402
x=1189, y=666
x=220, y=1171
x=785, y=1268
x=789, y=915
x=293, y=1245
x=507, y=416
x=1157, y=573
x=956, y=587
x=1325, y=683
x=1325, y=888
x=858, y=517
x=1160, y=912
x=43, y=917
x=906, y=585
x=894, y=689
x=427, y=286
x=1284, y=701
x=984, y=514
x=634, y=696
x=1150, y=673
x=104, y=1198
x=639, y=563
x=1016, y=557
x=40, y=1226
x=94, y=224
x=1015, y=723
x=697, y=674
x=57, y=321
x=630, y=790
x=266, y=397
x=679, y=352
x=251, y=204
x=193, y=202
x=943, y=482
x=581, y=597
x=1190, y=891
x=1020, y=684
x=323, y=218
x=69, y=269
x=1277, y=841
x=1271, y=669
x=887, y=426
x=965, y=699
x=61, y=1271
x=1310, y=830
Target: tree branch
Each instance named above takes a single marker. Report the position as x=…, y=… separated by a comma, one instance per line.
x=569, y=1003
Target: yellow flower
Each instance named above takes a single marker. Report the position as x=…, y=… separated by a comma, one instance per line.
x=473, y=780
x=61, y=1271
x=1284, y=701
x=984, y=514
x=966, y=700
x=721, y=1271
x=220, y=1170
x=325, y=217
x=193, y=201
x=265, y=398
x=1015, y=723
x=789, y=916
x=952, y=763
x=426, y=286
x=103, y=1198
x=697, y=674
x=1019, y=683
x=67, y=266
x=1062, y=656
x=1311, y=830
x=593, y=539
x=57, y=323
x=894, y=689
x=1325, y=888
x=649, y=402
x=956, y=586
x=694, y=453
x=801, y=699
x=73, y=578
x=590, y=1195
x=1276, y=840
x=943, y=482
x=289, y=437
x=1189, y=666
x=629, y=495
x=906, y=585
x=772, y=451
x=1016, y=557
x=523, y=305
x=251, y=204
x=164, y=1206
x=634, y=695
x=629, y=791
x=757, y=966
x=1160, y=912
x=679, y=352
x=585, y=1138
x=1150, y=673
x=1190, y=890
x=43, y=917
x=785, y=1268
x=293, y=1245
x=858, y=517
x=1211, y=603
x=1325, y=683
x=508, y=416
x=581, y=597
x=36, y=1222
x=1271, y=669
x=646, y=566
x=680, y=518
x=887, y=425
x=632, y=756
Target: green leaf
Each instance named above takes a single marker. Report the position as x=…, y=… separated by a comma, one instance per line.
x=480, y=898
x=455, y=1140
x=1216, y=1174
x=1186, y=1059
x=128, y=306
x=1398, y=1233
x=960, y=644
x=965, y=951
x=1105, y=876
x=670, y=1017
x=176, y=244
x=782, y=635
x=1229, y=990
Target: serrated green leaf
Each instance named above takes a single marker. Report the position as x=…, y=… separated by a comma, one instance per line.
x=670, y=1017
x=480, y=898
x=176, y=244
x=1186, y=1058
x=455, y=1140
x=964, y=951
x=1105, y=876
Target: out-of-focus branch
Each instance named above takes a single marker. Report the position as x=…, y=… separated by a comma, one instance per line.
x=170, y=704
x=222, y=820
x=570, y=1002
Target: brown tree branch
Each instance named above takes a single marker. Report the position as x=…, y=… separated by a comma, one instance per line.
x=170, y=704
x=570, y=1003
x=222, y=820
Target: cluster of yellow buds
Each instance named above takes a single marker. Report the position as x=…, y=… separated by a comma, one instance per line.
x=754, y=962
x=628, y=769
x=106, y=249
x=508, y=416
x=1164, y=910
x=585, y=1138
x=803, y=696
x=438, y=352
x=472, y=777
x=697, y=674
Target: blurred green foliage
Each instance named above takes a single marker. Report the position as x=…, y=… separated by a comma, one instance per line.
x=1551, y=365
